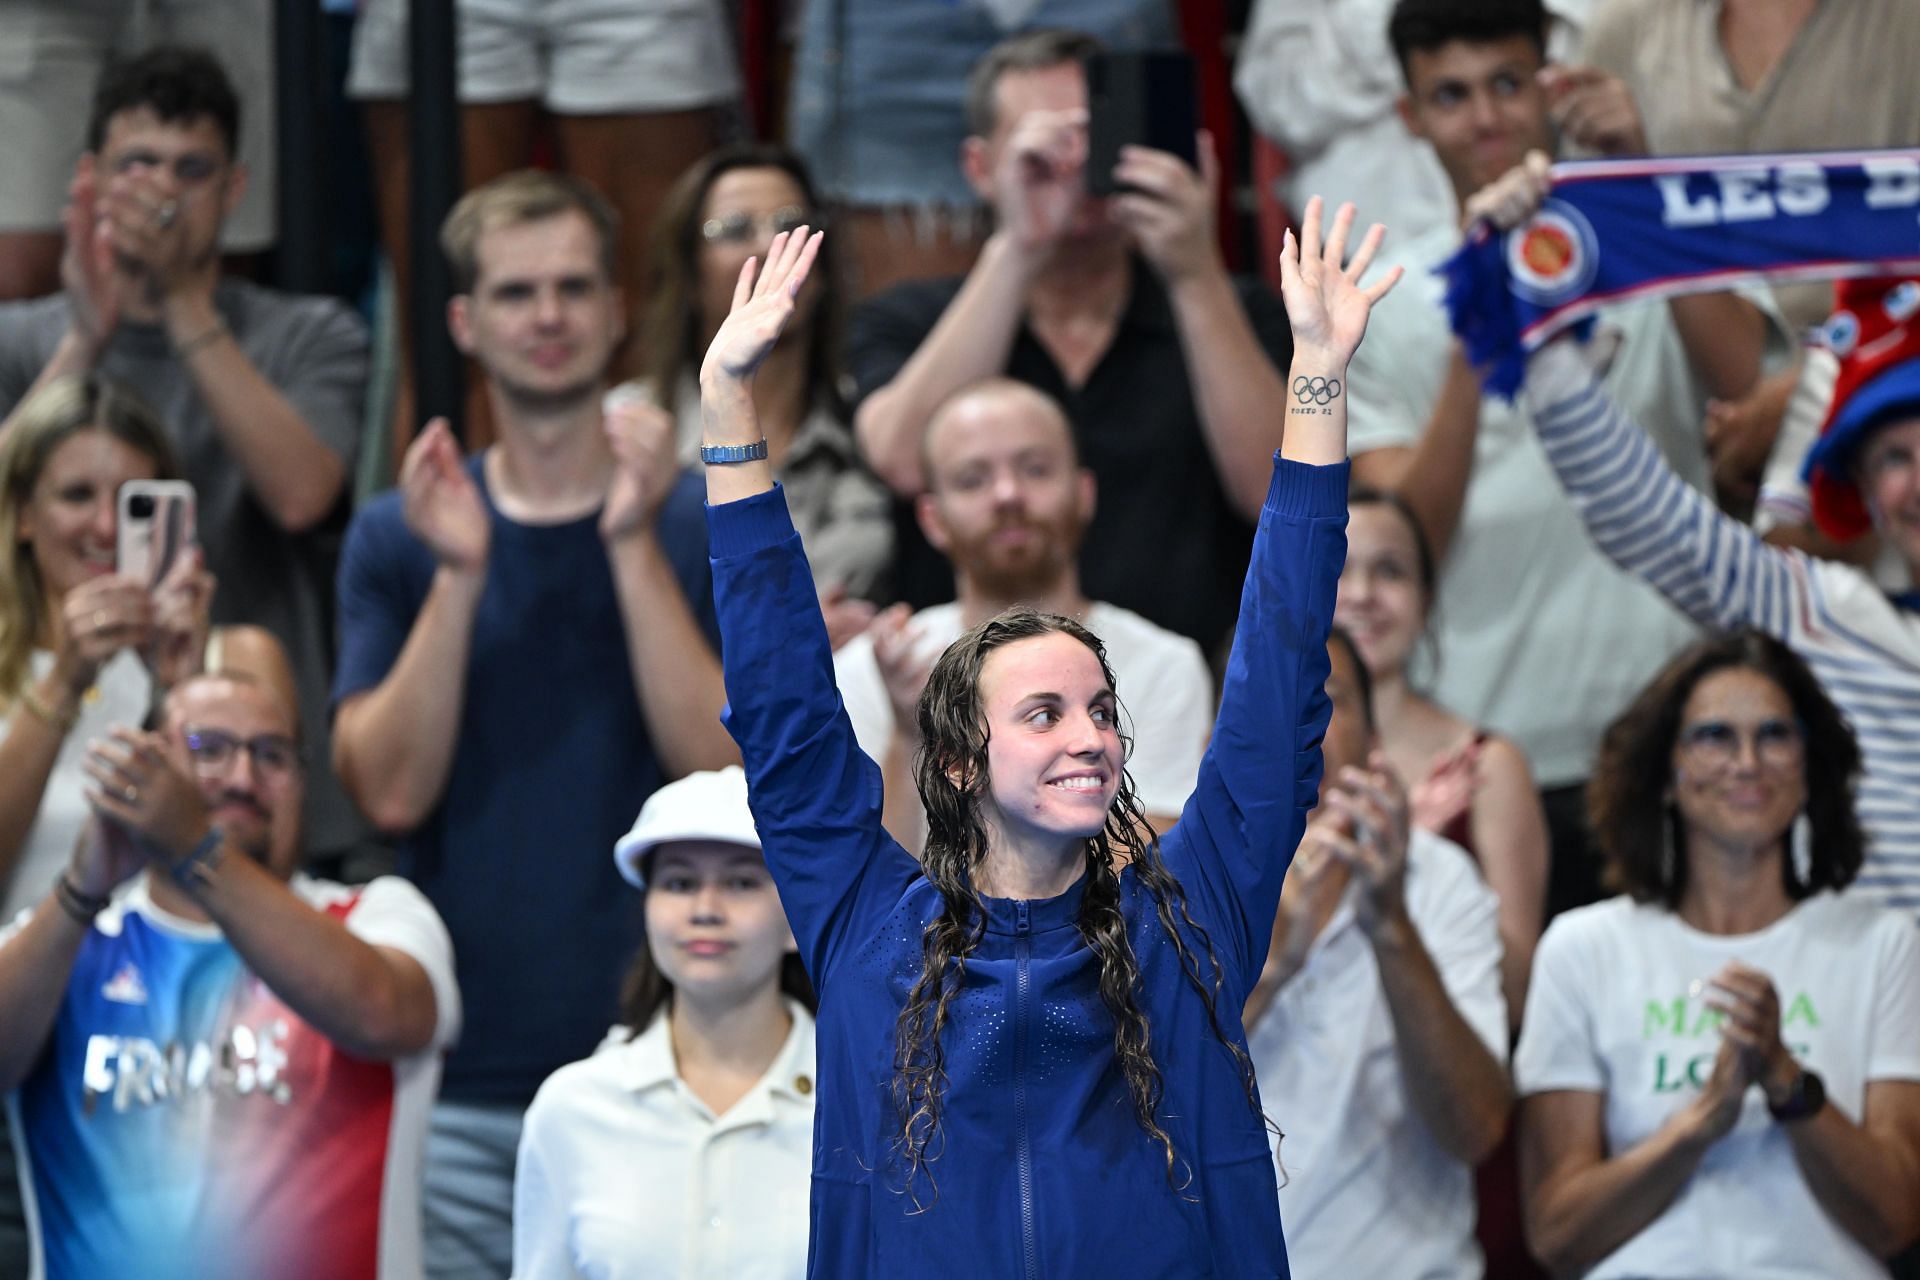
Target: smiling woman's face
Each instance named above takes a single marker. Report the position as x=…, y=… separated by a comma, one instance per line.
x=1739, y=768
x=71, y=517
x=1381, y=603
x=1054, y=753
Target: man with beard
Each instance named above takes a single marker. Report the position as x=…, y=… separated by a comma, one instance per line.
x=527, y=651
x=220, y=1067
x=1008, y=503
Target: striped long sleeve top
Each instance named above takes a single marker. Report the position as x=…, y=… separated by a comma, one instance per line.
x=1863, y=645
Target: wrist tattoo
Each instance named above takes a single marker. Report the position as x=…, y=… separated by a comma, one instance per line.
x=1314, y=395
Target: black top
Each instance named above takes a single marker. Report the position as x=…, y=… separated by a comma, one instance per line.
x=1165, y=540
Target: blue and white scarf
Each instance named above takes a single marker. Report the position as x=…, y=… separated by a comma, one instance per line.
x=1613, y=231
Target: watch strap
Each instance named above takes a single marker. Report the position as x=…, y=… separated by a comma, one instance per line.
x=725, y=454
x=1805, y=1097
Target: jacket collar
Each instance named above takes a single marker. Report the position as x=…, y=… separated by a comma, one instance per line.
x=1004, y=915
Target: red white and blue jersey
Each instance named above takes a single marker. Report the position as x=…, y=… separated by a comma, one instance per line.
x=182, y=1121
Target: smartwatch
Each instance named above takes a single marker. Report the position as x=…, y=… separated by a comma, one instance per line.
x=1805, y=1096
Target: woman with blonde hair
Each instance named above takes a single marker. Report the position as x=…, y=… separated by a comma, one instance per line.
x=81, y=646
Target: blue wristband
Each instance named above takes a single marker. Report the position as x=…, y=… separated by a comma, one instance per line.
x=725, y=454
x=197, y=867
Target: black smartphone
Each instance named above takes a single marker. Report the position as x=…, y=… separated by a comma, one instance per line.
x=1140, y=99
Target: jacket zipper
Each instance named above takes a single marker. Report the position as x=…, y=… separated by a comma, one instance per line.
x=1023, y=1137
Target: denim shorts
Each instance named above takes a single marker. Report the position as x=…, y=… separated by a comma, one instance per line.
x=880, y=86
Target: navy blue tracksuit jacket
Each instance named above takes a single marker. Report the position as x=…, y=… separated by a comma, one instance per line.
x=1041, y=1168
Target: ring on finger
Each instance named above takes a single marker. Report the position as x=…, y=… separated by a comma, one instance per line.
x=130, y=795
x=99, y=619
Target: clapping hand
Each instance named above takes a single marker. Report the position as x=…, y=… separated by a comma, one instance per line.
x=641, y=436
x=137, y=788
x=904, y=666
x=1746, y=998
x=143, y=213
x=1370, y=835
x=93, y=283
x=763, y=302
x=1449, y=788
x=443, y=506
x=846, y=615
x=1325, y=302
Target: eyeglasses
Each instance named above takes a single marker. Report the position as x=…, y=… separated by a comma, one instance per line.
x=1715, y=744
x=274, y=755
x=740, y=228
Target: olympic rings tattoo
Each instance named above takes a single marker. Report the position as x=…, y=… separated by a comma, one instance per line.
x=1315, y=390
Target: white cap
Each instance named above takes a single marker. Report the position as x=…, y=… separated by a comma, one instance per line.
x=701, y=806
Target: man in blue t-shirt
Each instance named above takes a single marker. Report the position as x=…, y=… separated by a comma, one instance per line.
x=527, y=652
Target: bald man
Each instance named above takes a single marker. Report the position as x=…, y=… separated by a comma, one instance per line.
x=1008, y=504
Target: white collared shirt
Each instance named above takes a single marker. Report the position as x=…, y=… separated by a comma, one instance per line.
x=624, y=1173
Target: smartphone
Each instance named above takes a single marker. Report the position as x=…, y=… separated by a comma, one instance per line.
x=156, y=529
x=1140, y=99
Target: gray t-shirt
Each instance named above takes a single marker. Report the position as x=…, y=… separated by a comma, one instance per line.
x=314, y=351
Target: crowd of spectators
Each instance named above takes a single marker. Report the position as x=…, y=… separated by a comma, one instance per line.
x=331, y=944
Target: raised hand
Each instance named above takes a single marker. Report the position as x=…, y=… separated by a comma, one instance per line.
x=1325, y=303
x=1040, y=177
x=1168, y=208
x=641, y=435
x=1514, y=196
x=763, y=302
x=93, y=284
x=442, y=505
x=1594, y=110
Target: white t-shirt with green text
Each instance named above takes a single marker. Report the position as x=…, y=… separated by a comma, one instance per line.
x=1618, y=1006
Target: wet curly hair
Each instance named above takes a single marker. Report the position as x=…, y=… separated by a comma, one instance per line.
x=951, y=772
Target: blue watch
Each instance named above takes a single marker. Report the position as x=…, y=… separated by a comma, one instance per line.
x=724, y=454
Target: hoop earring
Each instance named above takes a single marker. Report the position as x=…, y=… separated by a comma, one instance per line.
x=1800, y=848
x=1669, y=853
